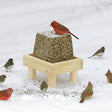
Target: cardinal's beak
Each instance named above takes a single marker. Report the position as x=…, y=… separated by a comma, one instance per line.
x=50, y=25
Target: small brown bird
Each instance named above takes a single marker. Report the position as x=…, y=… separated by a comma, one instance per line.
x=6, y=94
x=2, y=78
x=109, y=76
x=87, y=93
x=99, y=52
x=9, y=64
x=61, y=29
x=43, y=86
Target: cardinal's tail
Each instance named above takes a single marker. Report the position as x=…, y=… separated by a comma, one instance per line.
x=74, y=35
x=82, y=100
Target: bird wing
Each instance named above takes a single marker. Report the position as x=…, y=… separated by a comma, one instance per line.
x=0, y=95
x=95, y=53
x=62, y=28
x=109, y=77
x=83, y=94
x=87, y=92
x=6, y=64
x=4, y=93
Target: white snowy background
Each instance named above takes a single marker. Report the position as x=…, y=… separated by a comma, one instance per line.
x=90, y=20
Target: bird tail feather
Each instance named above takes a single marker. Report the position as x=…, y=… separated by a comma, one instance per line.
x=82, y=100
x=74, y=35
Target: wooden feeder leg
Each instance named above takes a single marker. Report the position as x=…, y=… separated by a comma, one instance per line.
x=52, y=80
x=32, y=73
x=73, y=76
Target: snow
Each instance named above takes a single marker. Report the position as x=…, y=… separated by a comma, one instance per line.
x=19, y=23
x=51, y=34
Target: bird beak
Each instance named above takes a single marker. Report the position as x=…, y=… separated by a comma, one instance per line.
x=105, y=74
x=50, y=25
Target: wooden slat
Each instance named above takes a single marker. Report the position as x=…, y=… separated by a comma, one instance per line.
x=57, y=68
x=68, y=66
x=37, y=64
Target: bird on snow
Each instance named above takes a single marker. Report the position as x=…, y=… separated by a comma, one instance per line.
x=6, y=94
x=87, y=93
x=99, y=52
x=43, y=86
x=2, y=78
x=9, y=64
x=109, y=76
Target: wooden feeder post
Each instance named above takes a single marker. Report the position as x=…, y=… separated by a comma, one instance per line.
x=53, y=56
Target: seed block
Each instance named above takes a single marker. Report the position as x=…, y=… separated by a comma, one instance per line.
x=52, y=47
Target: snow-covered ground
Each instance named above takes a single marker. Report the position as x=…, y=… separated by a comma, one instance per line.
x=90, y=20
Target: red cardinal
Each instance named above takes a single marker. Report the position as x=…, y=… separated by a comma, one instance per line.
x=60, y=29
x=6, y=94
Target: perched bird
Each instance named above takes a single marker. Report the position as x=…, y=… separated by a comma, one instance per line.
x=2, y=78
x=109, y=76
x=6, y=94
x=99, y=52
x=87, y=93
x=61, y=29
x=43, y=86
x=9, y=64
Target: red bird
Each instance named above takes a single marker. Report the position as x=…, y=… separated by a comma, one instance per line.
x=6, y=94
x=61, y=29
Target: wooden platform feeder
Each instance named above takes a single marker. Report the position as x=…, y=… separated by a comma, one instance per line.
x=52, y=69
x=53, y=55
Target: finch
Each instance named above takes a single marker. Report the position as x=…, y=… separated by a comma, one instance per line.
x=61, y=29
x=109, y=76
x=99, y=52
x=9, y=64
x=2, y=78
x=87, y=93
x=43, y=86
x=6, y=94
